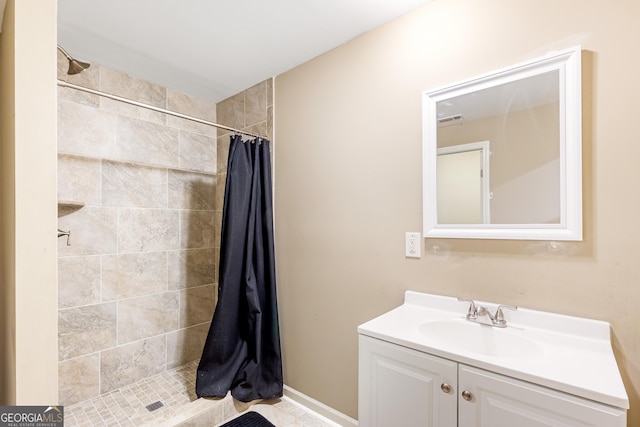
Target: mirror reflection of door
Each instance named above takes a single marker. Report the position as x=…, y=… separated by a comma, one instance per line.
x=462, y=184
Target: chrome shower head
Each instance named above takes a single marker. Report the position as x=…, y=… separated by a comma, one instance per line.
x=75, y=66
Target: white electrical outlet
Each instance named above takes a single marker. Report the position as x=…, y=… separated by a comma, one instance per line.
x=412, y=245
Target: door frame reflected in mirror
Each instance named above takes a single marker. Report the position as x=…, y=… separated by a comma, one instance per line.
x=469, y=188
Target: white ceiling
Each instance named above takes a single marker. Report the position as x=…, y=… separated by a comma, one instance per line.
x=213, y=49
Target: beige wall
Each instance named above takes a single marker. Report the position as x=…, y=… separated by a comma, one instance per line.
x=7, y=217
x=28, y=182
x=348, y=183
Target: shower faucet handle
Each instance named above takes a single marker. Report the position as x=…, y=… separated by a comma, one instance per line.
x=472, y=312
x=65, y=233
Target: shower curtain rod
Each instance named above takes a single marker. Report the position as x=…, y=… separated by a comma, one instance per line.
x=151, y=107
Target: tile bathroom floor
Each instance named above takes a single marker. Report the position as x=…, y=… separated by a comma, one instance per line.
x=175, y=389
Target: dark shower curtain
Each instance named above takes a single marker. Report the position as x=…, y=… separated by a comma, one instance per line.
x=242, y=350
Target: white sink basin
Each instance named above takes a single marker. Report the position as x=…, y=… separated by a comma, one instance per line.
x=467, y=336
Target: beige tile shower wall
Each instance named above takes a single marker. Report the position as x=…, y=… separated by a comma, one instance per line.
x=137, y=285
x=252, y=111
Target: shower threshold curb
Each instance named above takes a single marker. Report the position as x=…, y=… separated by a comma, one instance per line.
x=194, y=409
x=228, y=408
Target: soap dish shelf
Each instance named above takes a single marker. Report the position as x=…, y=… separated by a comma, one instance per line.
x=66, y=207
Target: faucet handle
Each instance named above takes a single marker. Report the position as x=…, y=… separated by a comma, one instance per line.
x=499, y=317
x=472, y=312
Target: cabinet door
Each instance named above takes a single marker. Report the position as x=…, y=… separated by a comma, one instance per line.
x=403, y=387
x=496, y=400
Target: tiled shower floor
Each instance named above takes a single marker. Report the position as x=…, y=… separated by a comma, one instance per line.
x=127, y=406
x=176, y=390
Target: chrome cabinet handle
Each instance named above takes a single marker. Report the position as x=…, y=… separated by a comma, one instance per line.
x=466, y=395
x=445, y=387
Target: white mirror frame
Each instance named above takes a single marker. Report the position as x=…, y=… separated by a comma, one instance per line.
x=568, y=63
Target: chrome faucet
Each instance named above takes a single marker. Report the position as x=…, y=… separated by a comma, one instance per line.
x=472, y=312
x=498, y=319
x=477, y=312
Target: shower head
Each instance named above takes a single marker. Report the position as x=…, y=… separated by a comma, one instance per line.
x=75, y=66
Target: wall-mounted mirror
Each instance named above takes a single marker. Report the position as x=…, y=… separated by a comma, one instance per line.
x=502, y=153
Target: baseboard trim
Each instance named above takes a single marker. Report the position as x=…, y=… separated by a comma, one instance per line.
x=319, y=408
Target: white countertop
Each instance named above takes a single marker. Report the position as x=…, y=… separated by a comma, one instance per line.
x=575, y=353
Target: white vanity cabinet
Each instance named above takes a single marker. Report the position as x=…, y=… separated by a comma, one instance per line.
x=427, y=363
x=402, y=386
